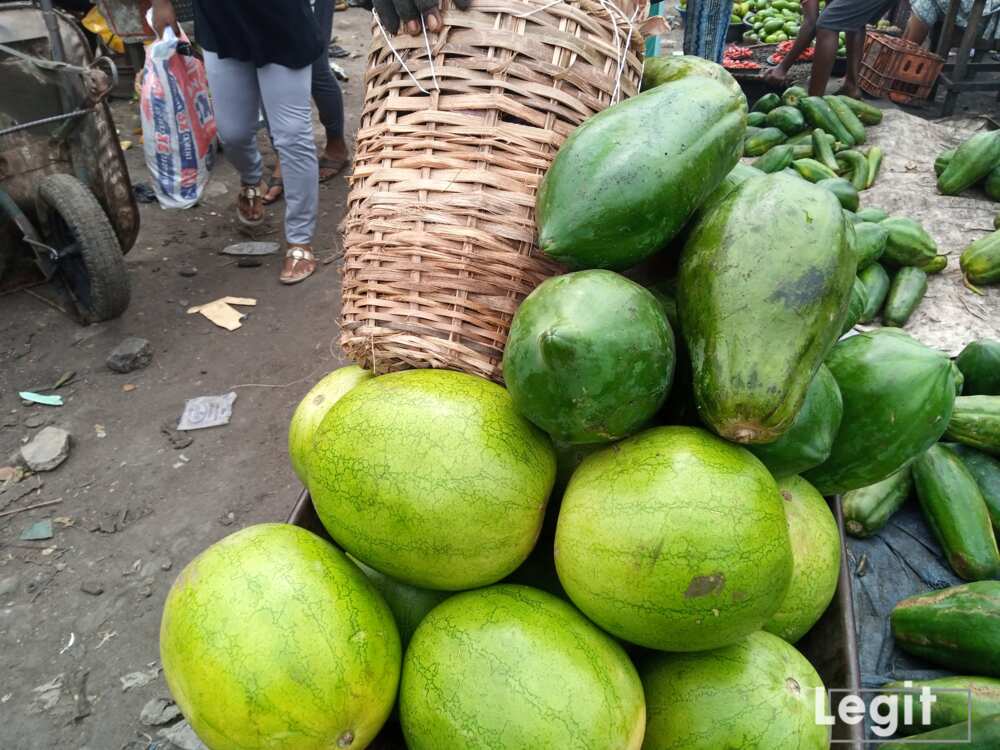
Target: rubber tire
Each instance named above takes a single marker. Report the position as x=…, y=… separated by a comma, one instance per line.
x=66, y=196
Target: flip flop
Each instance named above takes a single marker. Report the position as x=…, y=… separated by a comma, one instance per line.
x=300, y=264
x=251, y=194
x=275, y=182
x=337, y=165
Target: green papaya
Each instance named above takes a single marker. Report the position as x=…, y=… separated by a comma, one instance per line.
x=808, y=441
x=908, y=287
x=847, y=118
x=935, y=265
x=813, y=171
x=787, y=119
x=736, y=177
x=983, y=734
x=957, y=628
x=868, y=114
x=868, y=509
x=985, y=469
x=761, y=142
x=793, y=95
x=659, y=70
x=908, y=243
x=801, y=139
x=818, y=114
x=846, y=193
x=956, y=512
x=757, y=119
x=976, y=422
x=979, y=362
x=869, y=243
x=856, y=305
x=943, y=160
x=992, y=184
x=757, y=337
x=872, y=214
x=980, y=261
x=959, y=379
x=874, y=157
x=769, y=101
x=973, y=160
x=898, y=397
x=953, y=699
x=876, y=282
x=618, y=190
x=776, y=159
x=801, y=151
x=590, y=357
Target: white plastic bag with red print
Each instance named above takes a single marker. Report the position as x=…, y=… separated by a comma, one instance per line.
x=178, y=123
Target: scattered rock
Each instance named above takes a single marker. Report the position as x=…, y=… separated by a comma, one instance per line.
x=47, y=695
x=7, y=473
x=138, y=679
x=146, y=591
x=181, y=737
x=37, y=532
x=131, y=354
x=8, y=585
x=249, y=262
x=167, y=564
x=34, y=421
x=47, y=449
x=159, y=711
x=188, y=271
x=94, y=588
x=178, y=440
x=227, y=520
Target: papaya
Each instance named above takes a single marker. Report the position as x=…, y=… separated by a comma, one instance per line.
x=757, y=335
x=979, y=362
x=762, y=141
x=770, y=100
x=873, y=215
x=801, y=151
x=973, y=160
x=793, y=95
x=952, y=700
x=776, y=159
x=943, y=160
x=898, y=397
x=976, y=422
x=808, y=441
x=786, y=119
x=980, y=261
x=813, y=171
x=957, y=628
x=846, y=193
x=856, y=306
x=956, y=512
x=822, y=145
x=985, y=469
x=847, y=118
x=868, y=509
x=818, y=114
x=736, y=177
x=992, y=184
x=619, y=190
x=659, y=70
x=935, y=265
x=908, y=243
x=757, y=119
x=876, y=282
x=801, y=139
x=868, y=114
x=869, y=243
x=908, y=287
x=983, y=734
x=959, y=379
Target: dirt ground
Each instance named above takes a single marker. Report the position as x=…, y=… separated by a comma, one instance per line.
x=133, y=509
x=80, y=612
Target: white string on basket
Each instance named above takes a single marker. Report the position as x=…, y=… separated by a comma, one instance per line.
x=392, y=48
x=430, y=55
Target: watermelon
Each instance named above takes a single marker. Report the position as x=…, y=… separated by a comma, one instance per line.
x=815, y=559
x=757, y=694
x=674, y=539
x=409, y=604
x=512, y=667
x=272, y=638
x=313, y=407
x=431, y=477
x=590, y=357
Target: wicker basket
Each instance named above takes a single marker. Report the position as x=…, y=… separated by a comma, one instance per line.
x=440, y=234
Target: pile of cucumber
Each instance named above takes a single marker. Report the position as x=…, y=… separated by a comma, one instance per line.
x=774, y=21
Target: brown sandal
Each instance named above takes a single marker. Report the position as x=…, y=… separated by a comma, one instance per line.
x=333, y=167
x=251, y=198
x=300, y=263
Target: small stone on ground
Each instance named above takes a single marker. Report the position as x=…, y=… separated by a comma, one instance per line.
x=181, y=737
x=131, y=354
x=94, y=588
x=159, y=711
x=47, y=449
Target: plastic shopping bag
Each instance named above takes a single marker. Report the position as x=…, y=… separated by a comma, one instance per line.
x=178, y=123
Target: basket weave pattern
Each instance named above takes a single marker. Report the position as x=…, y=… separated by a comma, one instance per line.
x=439, y=236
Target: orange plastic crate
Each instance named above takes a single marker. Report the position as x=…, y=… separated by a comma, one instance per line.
x=897, y=69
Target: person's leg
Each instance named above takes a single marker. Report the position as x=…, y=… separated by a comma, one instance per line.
x=705, y=28
x=855, y=46
x=329, y=100
x=826, y=52
x=916, y=29
x=236, y=99
x=286, y=97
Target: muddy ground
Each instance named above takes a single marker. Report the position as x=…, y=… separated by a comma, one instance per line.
x=80, y=612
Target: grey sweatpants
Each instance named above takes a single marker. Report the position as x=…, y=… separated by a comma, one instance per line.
x=238, y=89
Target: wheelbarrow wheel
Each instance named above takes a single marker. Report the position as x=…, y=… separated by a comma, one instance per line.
x=90, y=263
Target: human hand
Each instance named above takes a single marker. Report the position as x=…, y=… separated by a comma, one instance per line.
x=393, y=12
x=164, y=16
x=775, y=76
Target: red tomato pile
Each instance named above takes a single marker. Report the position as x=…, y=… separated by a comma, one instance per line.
x=785, y=47
x=738, y=58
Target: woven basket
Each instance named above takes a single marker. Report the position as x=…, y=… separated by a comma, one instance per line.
x=440, y=233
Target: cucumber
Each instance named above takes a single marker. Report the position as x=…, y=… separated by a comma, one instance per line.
x=812, y=170
x=908, y=243
x=980, y=364
x=776, y=159
x=975, y=421
x=847, y=118
x=935, y=265
x=876, y=282
x=769, y=101
x=984, y=733
x=943, y=160
x=868, y=510
x=846, y=193
x=762, y=141
x=957, y=628
x=953, y=697
x=793, y=95
x=980, y=261
x=854, y=162
x=868, y=114
x=869, y=243
x=818, y=114
x=907, y=289
x=787, y=119
x=800, y=139
x=956, y=512
x=822, y=145
x=986, y=471
x=757, y=119
x=800, y=150
x=856, y=305
x=874, y=164
x=872, y=214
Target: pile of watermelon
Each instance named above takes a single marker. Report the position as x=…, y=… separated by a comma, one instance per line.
x=620, y=547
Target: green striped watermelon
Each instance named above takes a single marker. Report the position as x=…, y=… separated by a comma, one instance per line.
x=313, y=407
x=271, y=639
x=758, y=694
x=674, y=539
x=432, y=478
x=409, y=604
x=514, y=668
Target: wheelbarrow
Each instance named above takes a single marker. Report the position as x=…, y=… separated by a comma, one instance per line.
x=66, y=200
